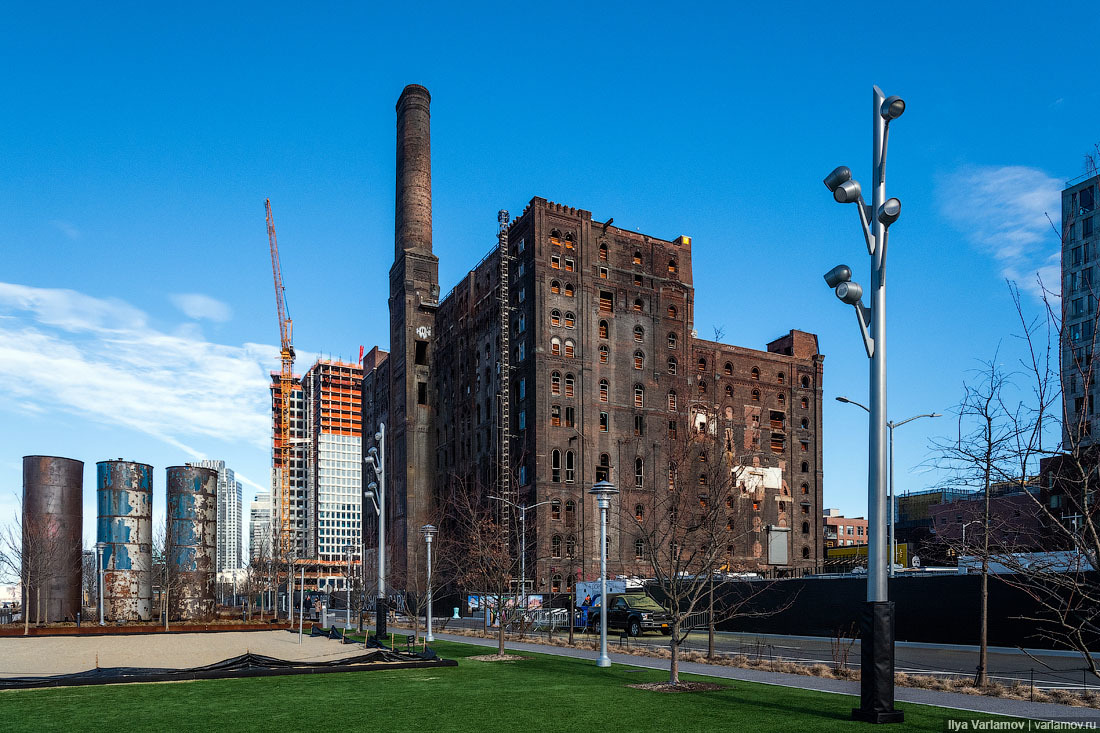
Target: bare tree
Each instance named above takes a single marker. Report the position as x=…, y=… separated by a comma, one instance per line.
x=691, y=533
x=164, y=571
x=29, y=552
x=414, y=578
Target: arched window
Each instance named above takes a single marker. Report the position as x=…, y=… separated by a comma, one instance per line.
x=638, y=466
x=555, y=509
x=702, y=365
x=702, y=386
x=672, y=267
x=555, y=318
x=568, y=290
x=806, y=382
x=756, y=395
x=637, y=305
x=604, y=387
x=672, y=340
x=570, y=514
x=603, y=354
x=754, y=374
x=728, y=369
x=780, y=377
x=637, y=259
x=555, y=383
x=639, y=512
x=702, y=479
x=570, y=320
x=804, y=424
x=639, y=549
x=555, y=546
x=805, y=528
x=603, y=253
x=729, y=391
x=672, y=365
x=672, y=400
x=555, y=465
x=805, y=489
x=805, y=553
x=555, y=237
x=569, y=385
x=639, y=333
x=570, y=467
x=804, y=403
x=555, y=287
x=555, y=583
x=782, y=399
x=639, y=360
x=672, y=311
x=570, y=351
x=604, y=329
x=570, y=546
x=603, y=469
x=555, y=346
x=569, y=241
x=639, y=395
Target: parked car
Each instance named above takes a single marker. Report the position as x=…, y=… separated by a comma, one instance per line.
x=634, y=613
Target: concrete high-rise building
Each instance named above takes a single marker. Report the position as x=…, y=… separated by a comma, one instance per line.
x=297, y=504
x=230, y=506
x=582, y=334
x=334, y=458
x=1079, y=310
x=259, y=526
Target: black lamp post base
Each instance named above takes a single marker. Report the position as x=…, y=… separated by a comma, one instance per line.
x=876, y=655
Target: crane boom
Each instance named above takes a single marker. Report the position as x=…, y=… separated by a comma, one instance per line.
x=286, y=385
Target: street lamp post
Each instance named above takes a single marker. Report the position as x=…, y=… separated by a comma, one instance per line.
x=376, y=493
x=429, y=533
x=877, y=619
x=603, y=491
x=523, y=509
x=893, y=542
x=99, y=548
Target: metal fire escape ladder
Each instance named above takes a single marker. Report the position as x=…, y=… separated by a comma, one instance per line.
x=504, y=472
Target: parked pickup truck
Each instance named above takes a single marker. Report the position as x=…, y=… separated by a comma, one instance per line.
x=633, y=613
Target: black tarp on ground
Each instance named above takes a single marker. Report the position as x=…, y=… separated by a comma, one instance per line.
x=245, y=665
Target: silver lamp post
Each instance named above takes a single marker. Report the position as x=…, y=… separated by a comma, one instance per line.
x=99, y=548
x=877, y=619
x=603, y=491
x=893, y=543
x=523, y=509
x=429, y=533
x=376, y=493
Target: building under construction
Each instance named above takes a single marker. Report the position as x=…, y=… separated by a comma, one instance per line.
x=568, y=354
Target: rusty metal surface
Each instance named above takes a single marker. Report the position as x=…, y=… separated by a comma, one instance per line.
x=192, y=541
x=124, y=499
x=53, y=519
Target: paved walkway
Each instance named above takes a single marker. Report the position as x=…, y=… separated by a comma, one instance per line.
x=955, y=700
x=48, y=655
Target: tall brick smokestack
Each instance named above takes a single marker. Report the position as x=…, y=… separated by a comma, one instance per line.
x=413, y=222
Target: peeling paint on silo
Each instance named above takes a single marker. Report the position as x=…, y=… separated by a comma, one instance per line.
x=124, y=499
x=52, y=523
x=192, y=541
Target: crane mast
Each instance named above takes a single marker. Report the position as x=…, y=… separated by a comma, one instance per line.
x=286, y=386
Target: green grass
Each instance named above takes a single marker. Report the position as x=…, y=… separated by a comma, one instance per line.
x=543, y=693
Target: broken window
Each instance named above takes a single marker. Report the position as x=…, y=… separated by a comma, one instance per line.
x=672, y=340
x=672, y=267
x=603, y=253
x=729, y=391
x=672, y=311
x=672, y=365
x=603, y=354
x=421, y=393
x=672, y=430
x=639, y=425
x=603, y=469
x=421, y=356
x=607, y=302
x=639, y=395
x=555, y=508
x=637, y=280
x=555, y=287
x=569, y=290
x=754, y=374
x=570, y=466
x=778, y=442
x=603, y=329
x=570, y=417
x=569, y=241
x=639, y=333
x=555, y=415
x=569, y=267
x=569, y=385
x=555, y=383
x=570, y=320
x=672, y=400
x=639, y=359
x=555, y=546
x=756, y=395
x=780, y=377
x=569, y=350
x=637, y=305
x=555, y=262
x=555, y=473
x=555, y=318
x=603, y=422
x=570, y=517
x=603, y=273
x=702, y=386
x=555, y=346
x=604, y=387
x=777, y=420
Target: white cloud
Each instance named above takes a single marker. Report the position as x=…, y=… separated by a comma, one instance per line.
x=65, y=352
x=198, y=306
x=66, y=228
x=1003, y=211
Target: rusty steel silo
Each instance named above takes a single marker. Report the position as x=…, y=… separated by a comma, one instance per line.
x=124, y=499
x=52, y=525
x=192, y=541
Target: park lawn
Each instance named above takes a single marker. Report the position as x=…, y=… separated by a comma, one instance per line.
x=541, y=693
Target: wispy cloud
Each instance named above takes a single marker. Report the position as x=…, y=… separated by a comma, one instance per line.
x=66, y=228
x=66, y=352
x=1003, y=211
x=198, y=306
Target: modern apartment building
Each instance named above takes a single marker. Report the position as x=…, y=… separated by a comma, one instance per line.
x=259, y=526
x=1079, y=310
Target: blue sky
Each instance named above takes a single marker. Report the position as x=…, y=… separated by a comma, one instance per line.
x=138, y=144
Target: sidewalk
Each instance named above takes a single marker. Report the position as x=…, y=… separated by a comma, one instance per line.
x=953, y=700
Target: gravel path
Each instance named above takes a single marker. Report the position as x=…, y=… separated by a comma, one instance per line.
x=47, y=655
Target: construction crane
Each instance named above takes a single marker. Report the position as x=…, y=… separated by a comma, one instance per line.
x=286, y=386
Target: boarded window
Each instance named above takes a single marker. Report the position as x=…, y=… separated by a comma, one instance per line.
x=607, y=302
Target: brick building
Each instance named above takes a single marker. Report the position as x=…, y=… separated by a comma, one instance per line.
x=595, y=362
